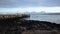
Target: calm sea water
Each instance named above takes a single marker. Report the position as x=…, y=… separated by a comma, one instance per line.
x=50, y=18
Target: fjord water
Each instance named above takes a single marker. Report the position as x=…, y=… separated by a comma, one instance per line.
x=50, y=18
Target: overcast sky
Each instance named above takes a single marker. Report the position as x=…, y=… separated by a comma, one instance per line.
x=10, y=4
x=29, y=3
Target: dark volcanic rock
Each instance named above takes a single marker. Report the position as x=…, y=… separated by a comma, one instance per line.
x=19, y=26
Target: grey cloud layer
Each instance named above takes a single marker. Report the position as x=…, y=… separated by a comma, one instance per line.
x=16, y=3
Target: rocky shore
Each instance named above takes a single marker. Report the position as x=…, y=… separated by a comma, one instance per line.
x=12, y=16
x=21, y=26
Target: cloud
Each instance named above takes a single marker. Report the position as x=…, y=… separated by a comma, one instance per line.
x=30, y=9
x=21, y=3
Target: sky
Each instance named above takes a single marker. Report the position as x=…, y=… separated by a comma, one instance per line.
x=12, y=6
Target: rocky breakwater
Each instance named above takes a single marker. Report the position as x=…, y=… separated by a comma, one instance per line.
x=12, y=16
x=21, y=26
